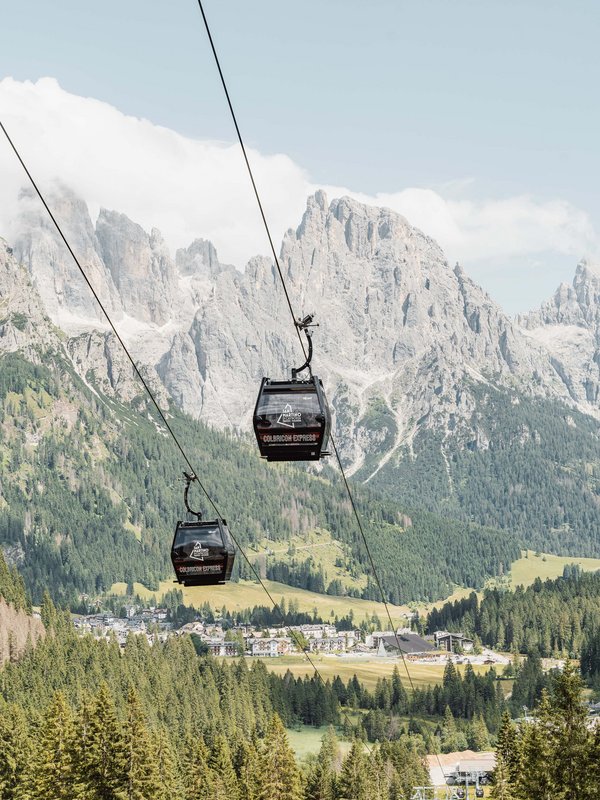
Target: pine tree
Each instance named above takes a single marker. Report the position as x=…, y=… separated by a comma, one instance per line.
x=81, y=746
x=248, y=771
x=199, y=777
x=169, y=781
x=104, y=765
x=409, y=765
x=48, y=610
x=382, y=775
x=225, y=786
x=452, y=738
x=280, y=777
x=16, y=751
x=321, y=782
x=593, y=776
x=534, y=778
x=479, y=736
x=507, y=746
x=354, y=782
x=502, y=788
x=565, y=719
x=141, y=774
x=55, y=774
x=399, y=695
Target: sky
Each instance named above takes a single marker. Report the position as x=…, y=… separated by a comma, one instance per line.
x=478, y=121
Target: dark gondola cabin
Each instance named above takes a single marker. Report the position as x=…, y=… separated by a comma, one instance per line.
x=292, y=420
x=202, y=553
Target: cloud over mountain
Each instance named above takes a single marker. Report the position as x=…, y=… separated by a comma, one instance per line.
x=190, y=187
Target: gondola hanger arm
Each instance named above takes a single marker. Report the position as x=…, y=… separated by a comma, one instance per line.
x=189, y=479
x=305, y=325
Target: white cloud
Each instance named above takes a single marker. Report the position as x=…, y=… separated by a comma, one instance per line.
x=189, y=188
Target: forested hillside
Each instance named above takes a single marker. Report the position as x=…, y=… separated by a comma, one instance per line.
x=556, y=753
x=553, y=617
x=79, y=718
x=534, y=469
x=12, y=587
x=91, y=491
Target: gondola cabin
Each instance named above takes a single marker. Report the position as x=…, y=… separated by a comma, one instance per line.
x=202, y=553
x=292, y=420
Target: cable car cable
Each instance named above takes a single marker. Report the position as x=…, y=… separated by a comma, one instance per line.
x=193, y=476
x=251, y=174
x=371, y=561
x=297, y=328
x=299, y=325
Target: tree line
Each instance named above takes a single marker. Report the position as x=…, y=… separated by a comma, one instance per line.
x=79, y=718
x=554, y=617
x=554, y=753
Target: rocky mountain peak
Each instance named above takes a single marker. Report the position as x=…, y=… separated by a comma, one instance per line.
x=577, y=303
x=568, y=326
x=199, y=259
x=402, y=336
x=39, y=247
x=140, y=266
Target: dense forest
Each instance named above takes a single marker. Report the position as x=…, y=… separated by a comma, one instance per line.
x=91, y=493
x=553, y=617
x=555, y=754
x=534, y=469
x=81, y=719
x=12, y=587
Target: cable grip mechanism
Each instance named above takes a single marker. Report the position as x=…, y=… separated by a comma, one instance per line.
x=304, y=325
x=189, y=479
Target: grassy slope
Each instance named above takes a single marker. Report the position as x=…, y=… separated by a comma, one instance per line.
x=245, y=594
x=524, y=571
x=317, y=544
x=305, y=740
x=366, y=669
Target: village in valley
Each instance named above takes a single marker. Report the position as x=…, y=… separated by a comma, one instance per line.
x=217, y=638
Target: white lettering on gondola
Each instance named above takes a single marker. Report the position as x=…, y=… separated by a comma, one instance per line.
x=288, y=438
x=199, y=570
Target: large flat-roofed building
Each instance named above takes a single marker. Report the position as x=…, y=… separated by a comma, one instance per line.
x=407, y=643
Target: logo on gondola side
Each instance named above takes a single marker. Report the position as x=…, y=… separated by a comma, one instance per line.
x=198, y=552
x=289, y=417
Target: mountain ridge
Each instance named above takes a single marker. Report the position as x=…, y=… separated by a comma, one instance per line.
x=414, y=355
x=398, y=325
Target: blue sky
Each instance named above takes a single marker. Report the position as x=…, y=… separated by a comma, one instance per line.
x=481, y=102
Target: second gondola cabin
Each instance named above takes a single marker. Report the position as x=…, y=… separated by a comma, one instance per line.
x=202, y=553
x=292, y=420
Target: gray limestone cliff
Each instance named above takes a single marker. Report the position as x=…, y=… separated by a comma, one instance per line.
x=403, y=337
x=568, y=326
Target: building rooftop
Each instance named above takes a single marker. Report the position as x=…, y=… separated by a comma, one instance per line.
x=409, y=643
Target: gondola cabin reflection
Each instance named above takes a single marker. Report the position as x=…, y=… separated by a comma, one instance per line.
x=202, y=553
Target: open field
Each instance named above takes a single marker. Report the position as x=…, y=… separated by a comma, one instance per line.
x=306, y=739
x=245, y=594
x=367, y=669
x=524, y=571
